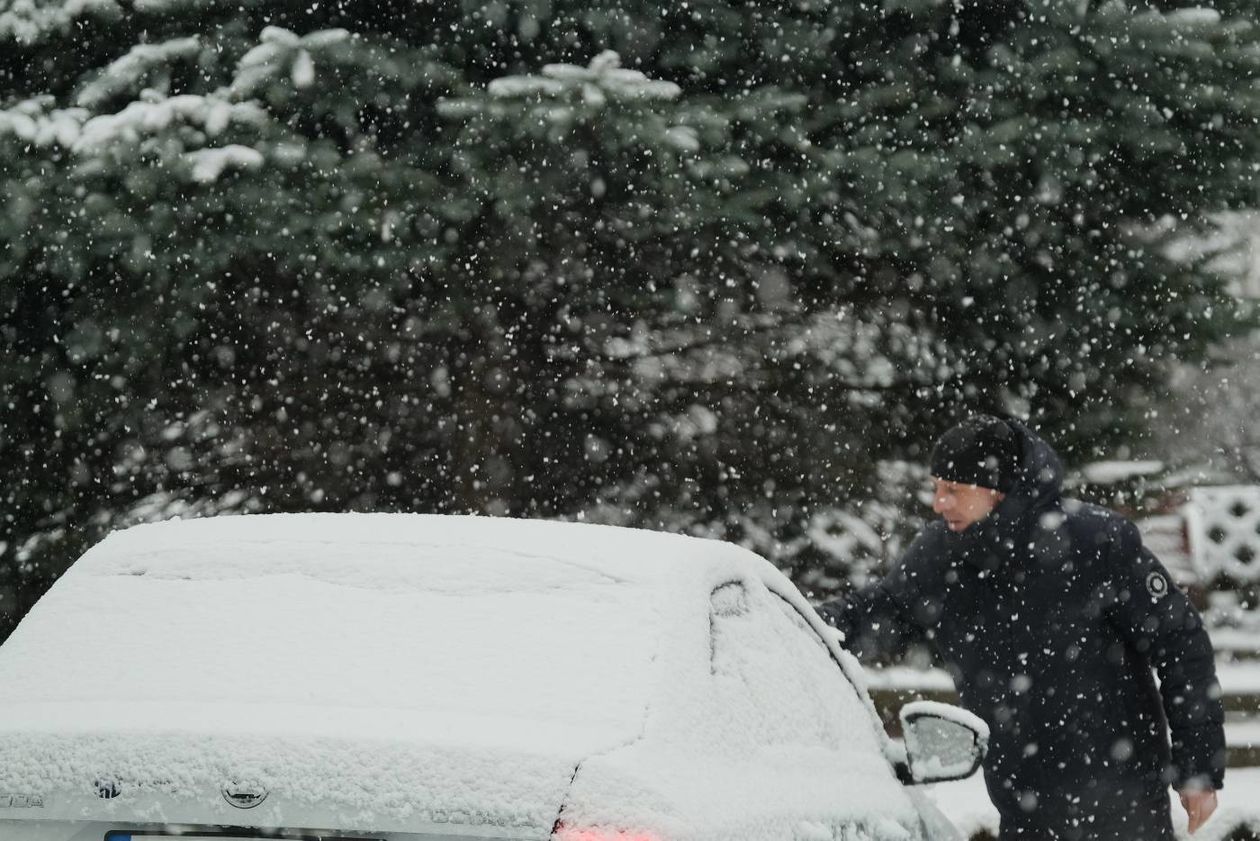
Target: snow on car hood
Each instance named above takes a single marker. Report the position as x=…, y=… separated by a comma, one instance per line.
x=396, y=669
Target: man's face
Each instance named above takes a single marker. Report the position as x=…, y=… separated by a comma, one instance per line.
x=962, y=505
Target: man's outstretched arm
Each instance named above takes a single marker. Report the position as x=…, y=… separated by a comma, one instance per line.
x=878, y=621
x=1163, y=625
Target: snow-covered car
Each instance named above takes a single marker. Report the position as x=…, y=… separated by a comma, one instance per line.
x=415, y=678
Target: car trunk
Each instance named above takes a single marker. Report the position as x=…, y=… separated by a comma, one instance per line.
x=273, y=767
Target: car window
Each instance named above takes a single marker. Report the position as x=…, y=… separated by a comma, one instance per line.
x=774, y=672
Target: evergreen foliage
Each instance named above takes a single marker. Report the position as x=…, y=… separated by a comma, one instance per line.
x=718, y=267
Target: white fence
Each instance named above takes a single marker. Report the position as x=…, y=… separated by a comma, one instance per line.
x=1223, y=527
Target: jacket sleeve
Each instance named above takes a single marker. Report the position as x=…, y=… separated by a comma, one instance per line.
x=878, y=621
x=1163, y=625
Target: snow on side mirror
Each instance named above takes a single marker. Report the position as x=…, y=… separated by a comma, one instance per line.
x=942, y=743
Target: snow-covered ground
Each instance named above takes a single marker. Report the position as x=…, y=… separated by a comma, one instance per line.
x=967, y=805
x=1237, y=678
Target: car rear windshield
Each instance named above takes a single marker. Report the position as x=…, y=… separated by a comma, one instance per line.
x=444, y=630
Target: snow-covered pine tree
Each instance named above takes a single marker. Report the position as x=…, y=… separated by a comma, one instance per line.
x=279, y=255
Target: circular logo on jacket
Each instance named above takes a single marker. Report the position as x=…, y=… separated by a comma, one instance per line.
x=1157, y=585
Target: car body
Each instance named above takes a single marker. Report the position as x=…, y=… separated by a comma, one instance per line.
x=407, y=677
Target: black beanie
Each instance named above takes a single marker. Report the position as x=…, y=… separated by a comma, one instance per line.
x=981, y=450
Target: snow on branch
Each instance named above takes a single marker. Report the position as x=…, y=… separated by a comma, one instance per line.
x=126, y=72
x=26, y=21
x=603, y=79
x=850, y=352
x=34, y=121
x=155, y=113
x=172, y=126
x=279, y=51
x=1191, y=16
x=209, y=164
x=30, y=21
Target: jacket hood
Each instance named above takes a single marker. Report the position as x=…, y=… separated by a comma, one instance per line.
x=1039, y=478
x=993, y=541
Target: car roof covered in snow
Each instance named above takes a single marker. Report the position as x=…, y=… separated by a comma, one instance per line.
x=396, y=549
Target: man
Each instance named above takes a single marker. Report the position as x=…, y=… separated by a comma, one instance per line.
x=1050, y=615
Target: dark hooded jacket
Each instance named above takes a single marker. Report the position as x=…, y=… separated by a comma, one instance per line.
x=1050, y=615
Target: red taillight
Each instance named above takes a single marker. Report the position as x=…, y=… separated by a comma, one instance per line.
x=577, y=833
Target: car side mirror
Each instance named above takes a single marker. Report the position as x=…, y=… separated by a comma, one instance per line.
x=942, y=743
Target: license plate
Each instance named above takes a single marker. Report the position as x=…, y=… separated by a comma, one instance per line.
x=150, y=835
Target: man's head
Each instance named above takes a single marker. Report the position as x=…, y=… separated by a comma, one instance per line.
x=974, y=466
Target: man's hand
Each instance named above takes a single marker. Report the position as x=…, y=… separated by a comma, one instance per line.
x=1199, y=804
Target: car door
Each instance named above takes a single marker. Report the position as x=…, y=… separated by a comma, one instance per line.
x=936, y=826
x=797, y=712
